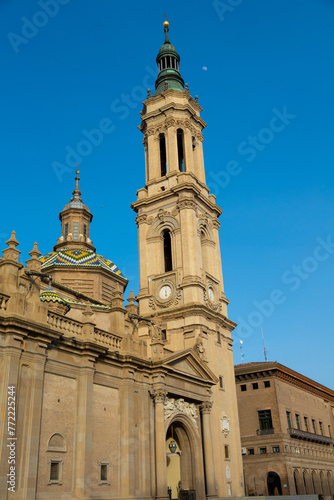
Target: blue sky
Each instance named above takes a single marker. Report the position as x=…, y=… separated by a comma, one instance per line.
x=263, y=71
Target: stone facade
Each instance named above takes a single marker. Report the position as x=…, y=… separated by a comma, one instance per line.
x=125, y=402
x=286, y=426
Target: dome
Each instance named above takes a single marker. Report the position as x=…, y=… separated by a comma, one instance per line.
x=76, y=203
x=168, y=49
x=49, y=295
x=78, y=258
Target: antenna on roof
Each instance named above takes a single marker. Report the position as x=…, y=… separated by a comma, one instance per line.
x=264, y=346
x=242, y=354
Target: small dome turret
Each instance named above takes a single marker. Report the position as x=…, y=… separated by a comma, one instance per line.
x=168, y=61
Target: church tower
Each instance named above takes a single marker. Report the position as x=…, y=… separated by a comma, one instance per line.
x=180, y=270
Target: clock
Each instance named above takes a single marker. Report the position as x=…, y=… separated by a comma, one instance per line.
x=211, y=294
x=165, y=292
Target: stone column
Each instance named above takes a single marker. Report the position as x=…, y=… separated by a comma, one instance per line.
x=84, y=426
x=153, y=163
x=208, y=450
x=172, y=160
x=188, y=152
x=159, y=396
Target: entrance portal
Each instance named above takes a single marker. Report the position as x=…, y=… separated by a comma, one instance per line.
x=274, y=484
x=180, y=460
x=173, y=468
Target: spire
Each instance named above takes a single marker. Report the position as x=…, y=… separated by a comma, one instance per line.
x=168, y=61
x=166, y=29
x=76, y=193
x=75, y=221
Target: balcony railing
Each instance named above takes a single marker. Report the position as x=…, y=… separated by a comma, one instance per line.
x=264, y=432
x=309, y=436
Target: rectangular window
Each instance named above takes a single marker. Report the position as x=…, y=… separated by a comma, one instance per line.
x=219, y=338
x=221, y=383
x=288, y=418
x=265, y=421
x=321, y=428
x=255, y=385
x=250, y=451
x=227, y=451
x=85, y=231
x=163, y=334
x=306, y=423
x=104, y=472
x=313, y=426
x=297, y=421
x=275, y=449
x=76, y=231
x=65, y=231
x=266, y=383
x=243, y=387
x=54, y=471
x=263, y=451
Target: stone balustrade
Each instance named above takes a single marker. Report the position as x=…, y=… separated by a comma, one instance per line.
x=76, y=328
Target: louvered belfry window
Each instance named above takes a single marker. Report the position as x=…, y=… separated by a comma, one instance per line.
x=76, y=231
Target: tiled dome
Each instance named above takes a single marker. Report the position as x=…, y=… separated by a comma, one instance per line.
x=78, y=258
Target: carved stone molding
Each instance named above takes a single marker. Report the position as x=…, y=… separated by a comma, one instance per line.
x=225, y=425
x=206, y=406
x=172, y=406
x=159, y=395
x=201, y=350
x=186, y=204
x=140, y=219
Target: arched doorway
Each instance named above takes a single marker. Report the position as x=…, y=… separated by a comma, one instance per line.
x=184, y=458
x=274, y=484
x=174, y=477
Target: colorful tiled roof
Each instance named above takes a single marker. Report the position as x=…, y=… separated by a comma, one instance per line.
x=78, y=257
x=49, y=295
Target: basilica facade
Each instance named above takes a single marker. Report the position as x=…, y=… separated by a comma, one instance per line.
x=134, y=401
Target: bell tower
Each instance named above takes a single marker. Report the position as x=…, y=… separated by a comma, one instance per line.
x=180, y=270
x=179, y=253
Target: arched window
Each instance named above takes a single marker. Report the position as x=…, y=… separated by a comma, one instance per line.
x=163, y=158
x=167, y=251
x=313, y=482
x=57, y=443
x=295, y=477
x=180, y=149
x=305, y=481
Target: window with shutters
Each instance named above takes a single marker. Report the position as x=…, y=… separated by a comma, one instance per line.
x=104, y=472
x=76, y=231
x=55, y=471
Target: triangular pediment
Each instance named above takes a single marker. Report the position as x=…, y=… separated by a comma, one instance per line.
x=188, y=363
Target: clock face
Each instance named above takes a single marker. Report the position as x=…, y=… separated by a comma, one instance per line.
x=165, y=292
x=211, y=293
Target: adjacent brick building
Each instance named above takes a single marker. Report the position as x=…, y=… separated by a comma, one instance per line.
x=286, y=427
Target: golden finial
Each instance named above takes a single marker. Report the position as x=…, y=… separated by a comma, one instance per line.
x=166, y=23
